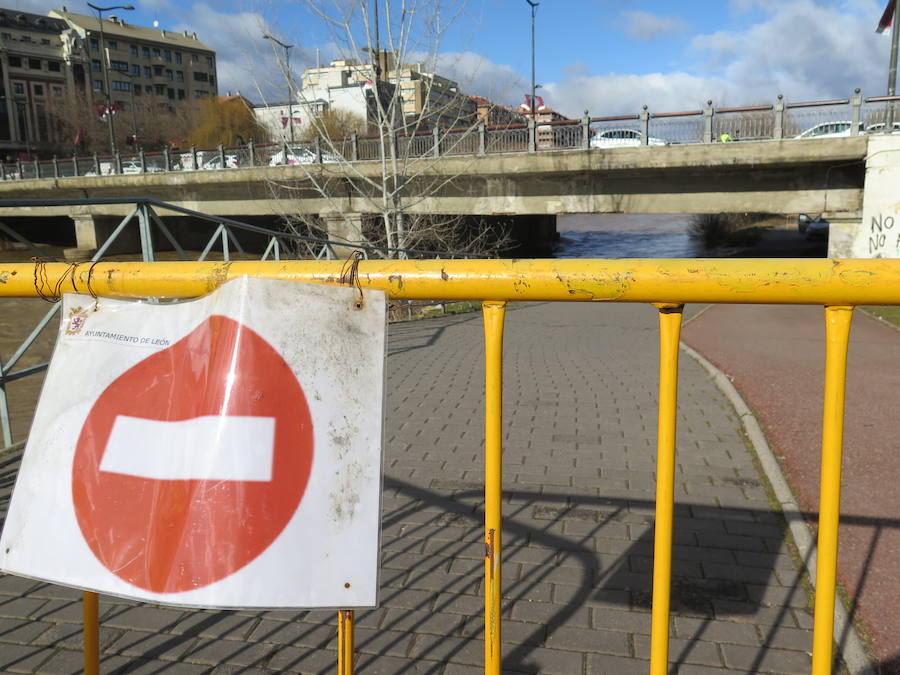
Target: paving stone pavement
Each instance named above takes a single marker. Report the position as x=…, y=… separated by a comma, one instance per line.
x=580, y=429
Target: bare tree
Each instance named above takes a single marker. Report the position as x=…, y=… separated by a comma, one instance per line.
x=391, y=52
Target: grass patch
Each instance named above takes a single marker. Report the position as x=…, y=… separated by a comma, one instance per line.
x=887, y=313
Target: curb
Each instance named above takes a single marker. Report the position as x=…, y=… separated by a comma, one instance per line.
x=850, y=646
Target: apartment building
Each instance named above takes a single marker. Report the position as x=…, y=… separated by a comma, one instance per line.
x=35, y=76
x=159, y=65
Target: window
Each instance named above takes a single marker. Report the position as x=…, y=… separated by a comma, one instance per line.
x=7, y=36
x=156, y=52
x=177, y=57
x=112, y=44
x=95, y=66
x=145, y=52
x=170, y=75
x=45, y=41
x=209, y=61
x=181, y=94
x=98, y=85
x=53, y=66
x=134, y=50
x=170, y=93
x=34, y=64
x=160, y=89
x=179, y=76
x=118, y=85
x=25, y=38
x=15, y=62
x=148, y=72
x=95, y=44
x=135, y=70
x=212, y=80
x=137, y=90
x=201, y=77
x=57, y=91
x=38, y=89
x=158, y=71
x=200, y=93
x=194, y=58
x=19, y=88
x=167, y=54
x=119, y=65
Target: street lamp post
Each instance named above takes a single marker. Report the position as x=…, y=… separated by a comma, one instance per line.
x=105, y=70
x=287, y=75
x=533, y=87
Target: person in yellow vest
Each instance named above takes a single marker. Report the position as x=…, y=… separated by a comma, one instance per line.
x=726, y=137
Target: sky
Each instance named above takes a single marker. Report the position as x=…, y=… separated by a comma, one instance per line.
x=606, y=56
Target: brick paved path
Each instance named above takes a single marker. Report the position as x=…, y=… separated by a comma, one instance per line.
x=578, y=470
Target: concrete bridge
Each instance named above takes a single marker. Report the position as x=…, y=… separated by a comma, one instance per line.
x=779, y=176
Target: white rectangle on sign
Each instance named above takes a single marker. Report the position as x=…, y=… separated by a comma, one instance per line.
x=202, y=448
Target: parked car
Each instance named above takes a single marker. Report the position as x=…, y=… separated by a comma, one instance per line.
x=830, y=130
x=215, y=162
x=622, y=138
x=300, y=156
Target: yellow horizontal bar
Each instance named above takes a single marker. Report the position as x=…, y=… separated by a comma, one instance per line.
x=784, y=281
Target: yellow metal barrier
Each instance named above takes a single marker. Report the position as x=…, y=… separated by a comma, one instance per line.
x=838, y=285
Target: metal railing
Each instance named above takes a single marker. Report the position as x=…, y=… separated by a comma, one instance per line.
x=838, y=285
x=778, y=121
x=223, y=239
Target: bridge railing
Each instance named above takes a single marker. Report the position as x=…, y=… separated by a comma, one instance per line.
x=780, y=120
x=837, y=285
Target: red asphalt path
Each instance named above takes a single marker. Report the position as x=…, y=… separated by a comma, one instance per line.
x=775, y=356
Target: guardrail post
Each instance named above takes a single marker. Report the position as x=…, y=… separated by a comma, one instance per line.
x=708, y=127
x=143, y=160
x=118, y=163
x=37, y=168
x=167, y=159
x=222, y=156
x=435, y=142
x=194, y=166
x=75, y=165
x=317, y=144
x=251, y=151
x=778, y=131
x=586, y=131
x=482, y=138
x=96, y=164
x=532, y=135
x=354, y=147
x=856, y=103
x=645, y=126
x=55, y=167
x=3, y=177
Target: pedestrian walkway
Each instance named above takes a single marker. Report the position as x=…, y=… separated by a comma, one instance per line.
x=580, y=434
x=776, y=358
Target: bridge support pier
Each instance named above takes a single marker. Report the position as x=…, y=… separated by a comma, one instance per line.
x=91, y=231
x=344, y=227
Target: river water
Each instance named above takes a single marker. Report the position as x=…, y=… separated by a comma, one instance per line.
x=626, y=236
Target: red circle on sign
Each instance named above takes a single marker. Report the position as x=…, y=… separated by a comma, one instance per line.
x=168, y=536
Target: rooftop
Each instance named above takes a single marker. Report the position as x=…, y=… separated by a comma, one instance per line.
x=126, y=30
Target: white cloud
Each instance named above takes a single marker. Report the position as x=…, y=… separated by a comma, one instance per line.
x=478, y=75
x=801, y=49
x=642, y=25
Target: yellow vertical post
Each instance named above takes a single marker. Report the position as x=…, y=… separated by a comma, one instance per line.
x=91, y=618
x=669, y=335
x=346, y=618
x=837, y=336
x=494, y=313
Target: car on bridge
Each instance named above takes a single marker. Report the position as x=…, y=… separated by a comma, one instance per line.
x=300, y=156
x=878, y=128
x=622, y=138
x=830, y=130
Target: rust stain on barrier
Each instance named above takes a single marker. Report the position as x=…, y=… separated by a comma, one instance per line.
x=858, y=277
x=489, y=549
x=218, y=276
x=396, y=280
x=444, y=274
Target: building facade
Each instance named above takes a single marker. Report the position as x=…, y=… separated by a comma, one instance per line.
x=35, y=77
x=159, y=65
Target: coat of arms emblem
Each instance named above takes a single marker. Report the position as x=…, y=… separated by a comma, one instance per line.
x=77, y=318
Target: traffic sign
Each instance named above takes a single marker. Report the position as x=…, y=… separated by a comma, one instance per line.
x=224, y=452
